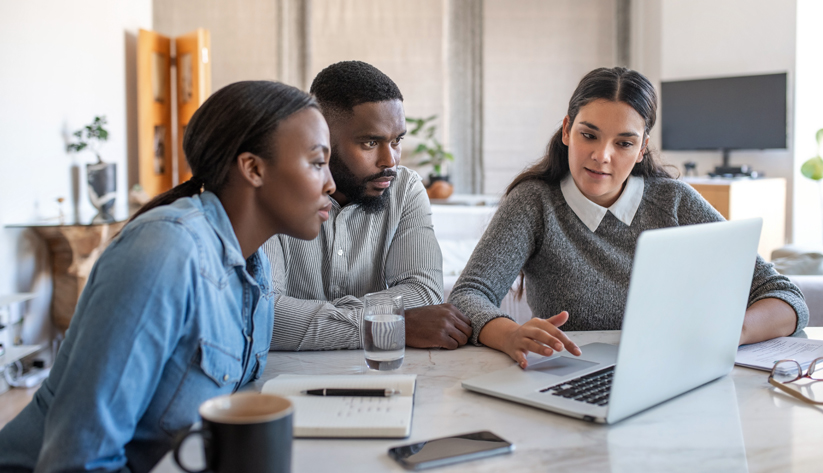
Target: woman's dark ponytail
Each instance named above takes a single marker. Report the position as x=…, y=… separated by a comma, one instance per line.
x=187, y=189
x=551, y=170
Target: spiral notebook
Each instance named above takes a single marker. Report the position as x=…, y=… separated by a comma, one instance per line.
x=348, y=416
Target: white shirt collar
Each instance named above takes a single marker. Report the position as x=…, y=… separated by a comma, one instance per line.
x=592, y=214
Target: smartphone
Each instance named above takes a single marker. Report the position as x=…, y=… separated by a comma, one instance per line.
x=448, y=450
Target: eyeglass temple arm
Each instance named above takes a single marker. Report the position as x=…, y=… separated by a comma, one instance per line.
x=792, y=392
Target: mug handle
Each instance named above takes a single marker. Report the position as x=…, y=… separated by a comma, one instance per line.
x=203, y=433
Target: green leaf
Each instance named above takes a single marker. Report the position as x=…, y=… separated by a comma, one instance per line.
x=419, y=123
x=813, y=168
x=421, y=148
x=75, y=147
x=819, y=137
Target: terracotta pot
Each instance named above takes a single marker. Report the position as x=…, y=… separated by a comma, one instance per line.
x=439, y=187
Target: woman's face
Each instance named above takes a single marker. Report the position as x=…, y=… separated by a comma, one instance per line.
x=298, y=183
x=605, y=141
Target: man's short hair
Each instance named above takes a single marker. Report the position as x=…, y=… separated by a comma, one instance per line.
x=346, y=84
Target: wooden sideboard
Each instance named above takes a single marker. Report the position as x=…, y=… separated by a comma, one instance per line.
x=741, y=198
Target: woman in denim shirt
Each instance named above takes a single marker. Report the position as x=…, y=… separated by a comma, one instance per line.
x=179, y=307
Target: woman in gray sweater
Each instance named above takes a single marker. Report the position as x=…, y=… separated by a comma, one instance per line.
x=570, y=224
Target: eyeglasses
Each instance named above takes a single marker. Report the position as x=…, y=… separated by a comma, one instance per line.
x=789, y=371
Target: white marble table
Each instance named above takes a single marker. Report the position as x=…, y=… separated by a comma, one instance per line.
x=736, y=424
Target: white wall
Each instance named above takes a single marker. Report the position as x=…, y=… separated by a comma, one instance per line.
x=244, y=35
x=646, y=37
x=62, y=64
x=403, y=39
x=807, y=228
x=710, y=38
x=534, y=54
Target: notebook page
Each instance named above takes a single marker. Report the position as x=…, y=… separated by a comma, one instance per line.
x=347, y=416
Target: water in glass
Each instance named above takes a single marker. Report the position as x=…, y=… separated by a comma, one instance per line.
x=384, y=341
x=383, y=331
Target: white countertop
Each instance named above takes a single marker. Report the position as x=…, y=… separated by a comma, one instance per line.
x=736, y=424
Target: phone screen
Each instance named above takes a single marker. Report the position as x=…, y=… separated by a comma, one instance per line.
x=444, y=451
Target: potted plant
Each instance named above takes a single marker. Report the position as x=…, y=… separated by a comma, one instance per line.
x=101, y=176
x=813, y=167
x=431, y=152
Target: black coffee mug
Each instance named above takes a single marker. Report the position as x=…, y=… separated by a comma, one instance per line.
x=245, y=432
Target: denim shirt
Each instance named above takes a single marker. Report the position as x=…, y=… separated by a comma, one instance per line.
x=171, y=315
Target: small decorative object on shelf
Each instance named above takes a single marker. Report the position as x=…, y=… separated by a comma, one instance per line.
x=102, y=176
x=432, y=153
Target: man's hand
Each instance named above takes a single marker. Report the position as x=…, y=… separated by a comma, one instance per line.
x=437, y=326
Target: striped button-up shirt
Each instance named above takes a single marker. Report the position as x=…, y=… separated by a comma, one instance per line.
x=320, y=283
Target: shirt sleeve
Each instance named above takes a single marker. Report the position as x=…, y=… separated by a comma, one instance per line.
x=766, y=282
x=513, y=235
x=414, y=269
x=128, y=322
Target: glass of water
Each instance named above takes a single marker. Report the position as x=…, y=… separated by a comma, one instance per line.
x=384, y=331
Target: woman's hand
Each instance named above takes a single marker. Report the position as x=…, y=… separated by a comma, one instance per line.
x=537, y=335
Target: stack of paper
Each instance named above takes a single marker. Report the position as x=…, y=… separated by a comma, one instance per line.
x=763, y=355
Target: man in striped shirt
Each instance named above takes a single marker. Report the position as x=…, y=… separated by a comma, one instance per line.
x=378, y=238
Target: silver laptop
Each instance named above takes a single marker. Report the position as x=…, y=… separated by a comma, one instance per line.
x=687, y=297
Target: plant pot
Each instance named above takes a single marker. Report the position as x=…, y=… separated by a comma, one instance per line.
x=102, y=179
x=439, y=187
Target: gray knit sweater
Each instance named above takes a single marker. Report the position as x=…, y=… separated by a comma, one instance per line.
x=586, y=273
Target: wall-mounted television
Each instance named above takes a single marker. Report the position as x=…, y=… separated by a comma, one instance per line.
x=729, y=113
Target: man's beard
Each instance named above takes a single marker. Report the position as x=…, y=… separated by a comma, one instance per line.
x=355, y=189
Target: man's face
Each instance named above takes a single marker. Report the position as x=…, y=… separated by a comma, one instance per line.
x=366, y=151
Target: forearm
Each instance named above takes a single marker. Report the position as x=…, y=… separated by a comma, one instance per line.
x=767, y=319
x=767, y=284
x=496, y=332
x=316, y=325
x=418, y=292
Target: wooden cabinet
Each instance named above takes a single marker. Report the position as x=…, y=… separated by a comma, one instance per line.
x=741, y=198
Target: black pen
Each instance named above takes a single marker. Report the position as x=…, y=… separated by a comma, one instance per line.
x=351, y=392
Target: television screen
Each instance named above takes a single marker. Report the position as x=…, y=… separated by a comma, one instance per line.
x=746, y=112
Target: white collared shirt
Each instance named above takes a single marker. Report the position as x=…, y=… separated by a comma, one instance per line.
x=592, y=214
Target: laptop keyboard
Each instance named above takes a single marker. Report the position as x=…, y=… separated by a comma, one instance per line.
x=593, y=388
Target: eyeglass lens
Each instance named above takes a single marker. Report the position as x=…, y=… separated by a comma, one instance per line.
x=786, y=371
x=816, y=369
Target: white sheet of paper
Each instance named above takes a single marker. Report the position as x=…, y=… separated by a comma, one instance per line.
x=763, y=355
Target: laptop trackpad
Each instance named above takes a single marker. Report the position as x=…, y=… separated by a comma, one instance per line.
x=561, y=366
